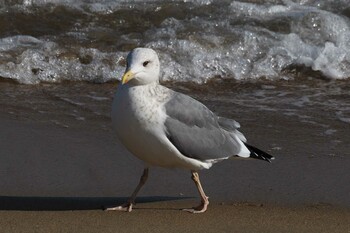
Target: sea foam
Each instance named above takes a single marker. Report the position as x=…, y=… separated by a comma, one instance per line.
x=196, y=40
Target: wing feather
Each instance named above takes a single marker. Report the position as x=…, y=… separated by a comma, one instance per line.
x=195, y=131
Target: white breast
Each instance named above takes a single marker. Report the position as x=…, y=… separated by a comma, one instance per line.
x=138, y=119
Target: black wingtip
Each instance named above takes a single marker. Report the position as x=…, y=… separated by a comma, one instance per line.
x=259, y=154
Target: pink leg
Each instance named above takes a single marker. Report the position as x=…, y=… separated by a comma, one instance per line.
x=204, y=199
x=128, y=206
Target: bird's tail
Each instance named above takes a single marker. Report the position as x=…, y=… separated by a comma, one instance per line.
x=256, y=153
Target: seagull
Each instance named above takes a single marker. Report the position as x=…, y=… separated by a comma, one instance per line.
x=169, y=129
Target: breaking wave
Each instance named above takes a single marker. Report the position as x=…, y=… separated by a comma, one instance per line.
x=50, y=41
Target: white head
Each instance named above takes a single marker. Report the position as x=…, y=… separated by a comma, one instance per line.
x=142, y=67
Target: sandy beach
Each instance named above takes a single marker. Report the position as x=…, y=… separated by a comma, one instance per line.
x=165, y=217
x=57, y=178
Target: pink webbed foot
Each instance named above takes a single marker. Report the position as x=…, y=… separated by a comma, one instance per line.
x=125, y=207
x=199, y=209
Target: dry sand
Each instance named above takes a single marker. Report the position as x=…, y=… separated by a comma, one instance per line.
x=165, y=217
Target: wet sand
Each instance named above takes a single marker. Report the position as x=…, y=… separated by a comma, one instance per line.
x=56, y=178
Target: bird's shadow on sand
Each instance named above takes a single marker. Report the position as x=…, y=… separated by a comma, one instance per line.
x=71, y=203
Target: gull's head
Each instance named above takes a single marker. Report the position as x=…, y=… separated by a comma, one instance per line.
x=142, y=67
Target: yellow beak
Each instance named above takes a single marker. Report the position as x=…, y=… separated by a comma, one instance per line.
x=127, y=77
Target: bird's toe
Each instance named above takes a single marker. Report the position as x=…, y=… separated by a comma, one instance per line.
x=125, y=207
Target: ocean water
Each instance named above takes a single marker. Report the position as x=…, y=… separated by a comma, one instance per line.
x=250, y=60
x=57, y=40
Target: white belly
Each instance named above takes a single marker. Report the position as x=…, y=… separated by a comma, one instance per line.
x=139, y=124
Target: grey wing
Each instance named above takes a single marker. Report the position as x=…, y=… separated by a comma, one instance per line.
x=231, y=126
x=194, y=130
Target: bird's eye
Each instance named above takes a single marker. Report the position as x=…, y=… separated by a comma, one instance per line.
x=145, y=63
